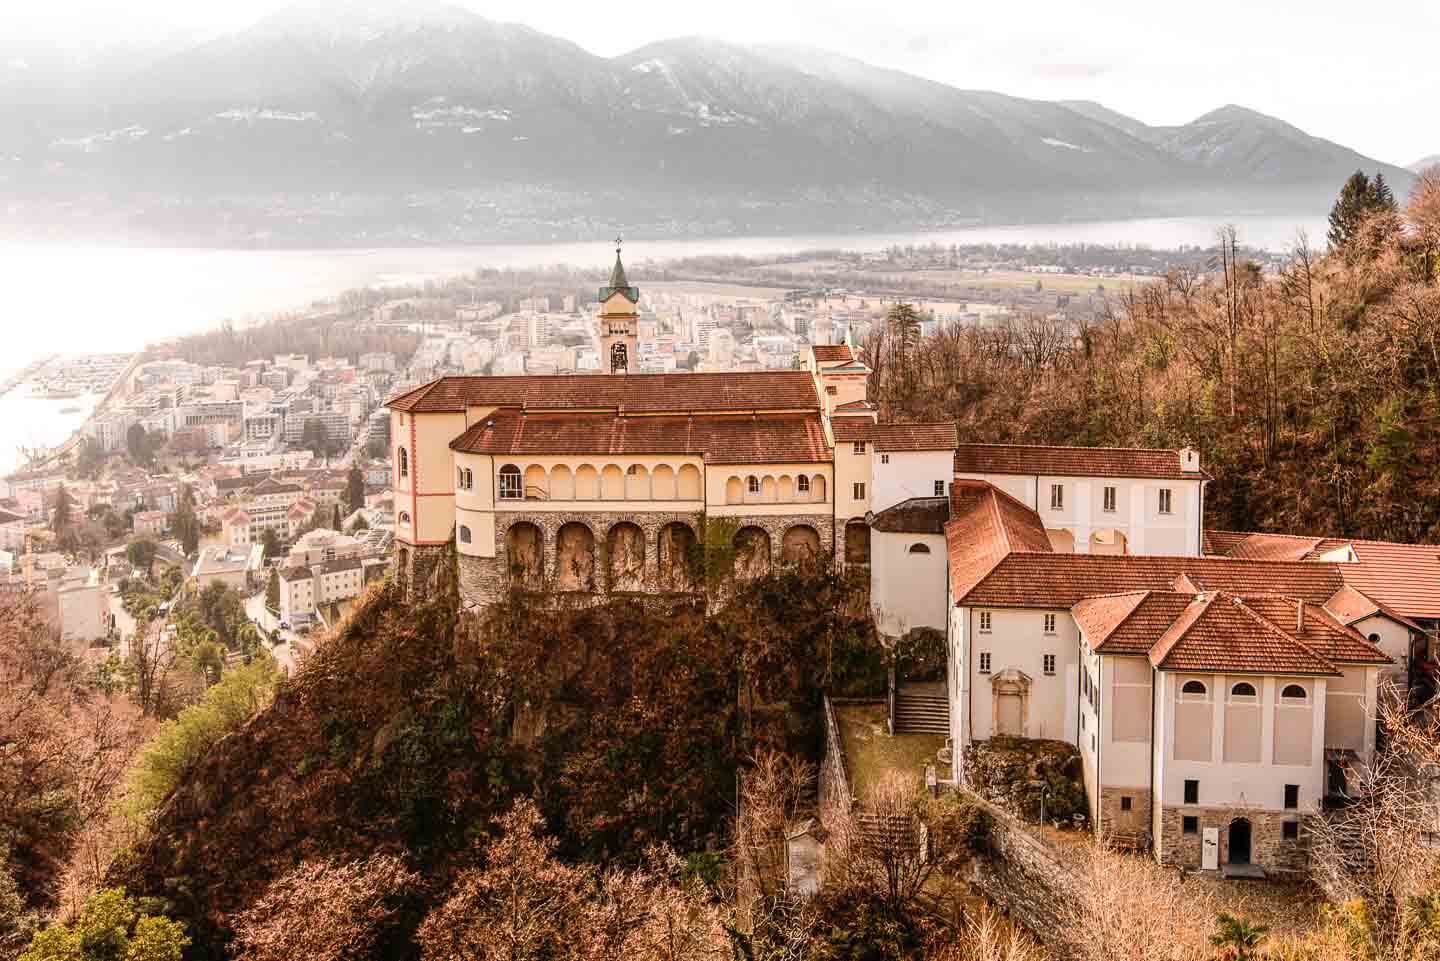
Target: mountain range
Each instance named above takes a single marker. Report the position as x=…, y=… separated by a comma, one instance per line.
x=422, y=121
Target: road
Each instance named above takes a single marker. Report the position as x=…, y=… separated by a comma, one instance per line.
x=284, y=652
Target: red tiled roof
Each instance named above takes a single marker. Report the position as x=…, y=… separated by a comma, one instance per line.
x=856, y=406
x=771, y=439
x=1128, y=623
x=1274, y=547
x=1403, y=577
x=1349, y=605
x=634, y=393
x=985, y=525
x=1057, y=581
x=1320, y=630
x=832, y=353
x=1071, y=461
x=935, y=435
x=1222, y=633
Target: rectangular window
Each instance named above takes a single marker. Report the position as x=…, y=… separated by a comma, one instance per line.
x=984, y=620
x=940, y=488
x=1164, y=500
x=1289, y=830
x=752, y=484
x=984, y=662
x=1049, y=662
x=1124, y=803
x=1192, y=792
x=858, y=447
x=1292, y=796
x=859, y=491
x=1057, y=497
x=884, y=458
x=1190, y=824
x=1110, y=500
x=1049, y=623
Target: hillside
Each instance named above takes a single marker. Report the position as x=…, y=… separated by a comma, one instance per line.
x=426, y=121
x=414, y=727
x=1424, y=163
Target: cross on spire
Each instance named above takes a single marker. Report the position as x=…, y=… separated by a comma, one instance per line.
x=618, y=242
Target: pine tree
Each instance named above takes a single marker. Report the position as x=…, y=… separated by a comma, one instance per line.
x=272, y=590
x=355, y=489
x=1381, y=196
x=60, y=520
x=1349, y=210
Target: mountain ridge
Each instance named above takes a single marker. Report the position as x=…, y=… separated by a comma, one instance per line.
x=393, y=101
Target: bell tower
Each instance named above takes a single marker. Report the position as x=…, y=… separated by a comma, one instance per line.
x=619, y=319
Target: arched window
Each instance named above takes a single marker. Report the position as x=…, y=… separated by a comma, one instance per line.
x=802, y=484
x=1375, y=638
x=1243, y=689
x=919, y=548
x=1193, y=689
x=460, y=477
x=1294, y=692
x=404, y=518
x=752, y=484
x=464, y=534
x=511, y=486
x=402, y=458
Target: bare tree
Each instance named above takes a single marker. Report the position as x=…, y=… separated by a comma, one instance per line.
x=1130, y=909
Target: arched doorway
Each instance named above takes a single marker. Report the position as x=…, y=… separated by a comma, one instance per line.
x=677, y=548
x=800, y=545
x=525, y=556
x=1239, y=841
x=857, y=543
x=575, y=558
x=752, y=553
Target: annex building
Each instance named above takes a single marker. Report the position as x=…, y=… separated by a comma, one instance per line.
x=1218, y=685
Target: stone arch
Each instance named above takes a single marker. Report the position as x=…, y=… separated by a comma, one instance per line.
x=734, y=491
x=587, y=483
x=662, y=483
x=752, y=553
x=537, y=483
x=677, y=549
x=689, y=487
x=769, y=490
x=525, y=556
x=786, y=493
x=857, y=542
x=1062, y=541
x=637, y=483
x=612, y=483
x=800, y=545
x=817, y=488
x=575, y=558
x=562, y=483
x=625, y=558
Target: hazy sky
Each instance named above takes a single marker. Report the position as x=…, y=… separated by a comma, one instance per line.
x=1365, y=77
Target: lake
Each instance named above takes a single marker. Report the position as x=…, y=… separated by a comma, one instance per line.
x=74, y=299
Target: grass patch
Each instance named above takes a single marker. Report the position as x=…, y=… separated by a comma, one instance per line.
x=870, y=750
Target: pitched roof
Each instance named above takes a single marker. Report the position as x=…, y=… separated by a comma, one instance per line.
x=832, y=353
x=934, y=435
x=1223, y=633
x=1317, y=629
x=771, y=439
x=1071, y=461
x=1128, y=623
x=986, y=525
x=633, y=393
x=1349, y=605
x=918, y=515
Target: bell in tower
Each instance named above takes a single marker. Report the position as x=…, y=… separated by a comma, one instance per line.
x=619, y=319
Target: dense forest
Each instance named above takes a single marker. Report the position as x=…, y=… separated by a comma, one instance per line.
x=1313, y=395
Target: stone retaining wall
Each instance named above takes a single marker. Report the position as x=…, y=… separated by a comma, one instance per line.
x=835, y=791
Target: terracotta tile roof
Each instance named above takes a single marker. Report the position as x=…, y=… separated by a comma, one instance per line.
x=1319, y=630
x=918, y=515
x=1274, y=547
x=769, y=439
x=1071, y=461
x=1128, y=623
x=986, y=525
x=1349, y=605
x=832, y=353
x=856, y=406
x=1223, y=633
x=1403, y=577
x=1059, y=581
x=936, y=435
x=634, y=393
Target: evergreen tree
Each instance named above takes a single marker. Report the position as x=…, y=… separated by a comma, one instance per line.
x=1350, y=208
x=271, y=543
x=272, y=590
x=60, y=520
x=1381, y=196
x=186, y=524
x=354, y=489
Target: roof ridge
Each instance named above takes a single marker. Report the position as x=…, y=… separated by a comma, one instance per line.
x=1147, y=450
x=1205, y=600
x=1276, y=629
x=1144, y=595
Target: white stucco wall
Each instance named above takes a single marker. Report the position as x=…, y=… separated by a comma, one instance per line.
x=909, y=474
x=1394, y=640
x=1017, y=639
x=907, y=590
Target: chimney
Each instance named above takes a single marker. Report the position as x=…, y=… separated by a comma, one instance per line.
x=1299, y=616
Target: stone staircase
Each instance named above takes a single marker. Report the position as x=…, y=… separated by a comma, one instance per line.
x=922, y=709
